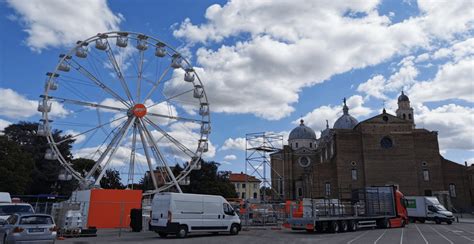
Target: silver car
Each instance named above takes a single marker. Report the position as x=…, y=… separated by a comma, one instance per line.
x=28, y=228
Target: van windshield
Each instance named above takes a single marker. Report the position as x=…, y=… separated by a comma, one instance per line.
x=12, y=209
x=440, y=207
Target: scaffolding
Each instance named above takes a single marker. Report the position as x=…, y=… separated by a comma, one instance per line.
x=258, y=147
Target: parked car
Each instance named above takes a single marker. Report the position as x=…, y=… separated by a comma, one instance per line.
x=30, y=228
x=180, y=214
x=7, y=209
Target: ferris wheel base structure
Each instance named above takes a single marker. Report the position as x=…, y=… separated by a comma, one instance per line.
x=127, y=100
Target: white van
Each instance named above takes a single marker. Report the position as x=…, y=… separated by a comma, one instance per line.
x=182, y=213
x=421, y=208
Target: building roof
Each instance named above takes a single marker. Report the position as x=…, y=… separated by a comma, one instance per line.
x=346, y=121
x=242, y=178
x=302, y=132
x=403, y=98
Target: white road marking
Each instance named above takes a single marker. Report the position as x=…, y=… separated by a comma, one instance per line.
x=401, y=237
x=459, y=234
x=357, y=237
x=375, y=242
x=419, y=231
x=470, y=232
x=441, y=235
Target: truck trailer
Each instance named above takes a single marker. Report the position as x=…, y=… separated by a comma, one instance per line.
x=421, y=208
x=380, y=206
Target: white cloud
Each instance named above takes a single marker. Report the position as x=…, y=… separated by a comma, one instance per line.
x=230, y=157
x=78, y=138
x=53, y=23
x=234, y=144
x=316, y=119
x=453, y=123
x=374, y=87
x=452, y=81
x=3, y=125
x=263, y=73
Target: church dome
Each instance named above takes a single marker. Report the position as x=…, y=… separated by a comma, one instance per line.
x=403, y=98
x=302, y=132
x=346, y=121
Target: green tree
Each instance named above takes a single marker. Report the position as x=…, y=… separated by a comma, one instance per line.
x=15, y=167
x=44, y=173
x=207, y=180
x=111, y=180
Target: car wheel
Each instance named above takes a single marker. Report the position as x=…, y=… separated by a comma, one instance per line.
x=449, y=222
x=182, y=231
x=234, y=229
x=162, y=234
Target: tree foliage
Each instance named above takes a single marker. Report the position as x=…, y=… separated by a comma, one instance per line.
x=111, y=180
x=15, y=167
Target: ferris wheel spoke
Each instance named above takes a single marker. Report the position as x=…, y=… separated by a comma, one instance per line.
x=159, y=156
x=178, y=144
x=89, y=130
x=171, y=97
x=140, y=73
x=114, y=150
x=131, y=169
x=118, y=71
x=81, y=69
x=78, y=102
x=112, y=144
x=177, y=118
x=147, y=155
x=157, y=83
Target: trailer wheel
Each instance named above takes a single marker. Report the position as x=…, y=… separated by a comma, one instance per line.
x=343, y=226
x=385, y=224
x=352, y=225
x=333, y=227
x=319, y=227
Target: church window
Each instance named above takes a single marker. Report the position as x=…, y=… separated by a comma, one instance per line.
x=300, y=192
x=243, y=185
x=404, y=116
x=452, y=190
x=321, y=157
x=386, y=142
x=304, y=161
x=326, y=153
x=385, y=118
x=353, y=163
x=426, y=175
x=327, y=188
x=332, y=148
x=409, y=116
x=280, y=185
x=354, y=174
x=296, y=145
x=311, y=145
x=243, y=195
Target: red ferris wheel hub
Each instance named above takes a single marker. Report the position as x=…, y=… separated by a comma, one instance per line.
x=139, y=110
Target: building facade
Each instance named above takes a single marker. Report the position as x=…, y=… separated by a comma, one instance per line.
x=383, y=150
x=246, y=186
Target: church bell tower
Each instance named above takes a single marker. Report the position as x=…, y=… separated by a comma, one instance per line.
x=404, y=110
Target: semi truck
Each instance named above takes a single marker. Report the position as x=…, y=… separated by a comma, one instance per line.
x=421, y=208
x=380, y=206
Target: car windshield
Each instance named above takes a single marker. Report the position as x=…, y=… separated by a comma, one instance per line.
x=440, y=208
x=11, y=209
x=36, y=220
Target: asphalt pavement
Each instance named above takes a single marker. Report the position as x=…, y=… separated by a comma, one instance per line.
x=428, y=233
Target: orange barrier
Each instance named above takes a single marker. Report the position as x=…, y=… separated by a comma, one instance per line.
x=111, y=208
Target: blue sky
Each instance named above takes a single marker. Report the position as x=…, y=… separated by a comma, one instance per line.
x=266, y=64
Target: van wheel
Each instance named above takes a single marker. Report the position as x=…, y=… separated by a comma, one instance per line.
x=162, y=234
x=234, y=229
x=449, y=222
x=437, y=221
x=182, y=231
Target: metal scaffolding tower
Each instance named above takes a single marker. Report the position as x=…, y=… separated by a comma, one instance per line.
x=258, y=147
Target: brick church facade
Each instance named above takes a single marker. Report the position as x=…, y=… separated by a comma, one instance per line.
x=383, y=150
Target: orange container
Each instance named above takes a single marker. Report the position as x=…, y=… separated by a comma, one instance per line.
x=111, y=208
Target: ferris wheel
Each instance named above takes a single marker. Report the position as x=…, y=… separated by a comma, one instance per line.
x=128, y=101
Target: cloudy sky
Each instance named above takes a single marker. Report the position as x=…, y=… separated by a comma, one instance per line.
x=266, y=64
